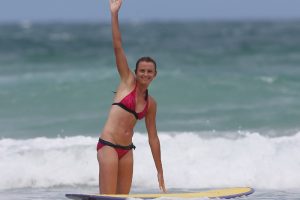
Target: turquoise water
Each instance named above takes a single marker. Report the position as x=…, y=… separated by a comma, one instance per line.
x=227, y=93
x=57, y=79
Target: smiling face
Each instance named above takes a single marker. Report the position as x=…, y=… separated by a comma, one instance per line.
x=145, y=72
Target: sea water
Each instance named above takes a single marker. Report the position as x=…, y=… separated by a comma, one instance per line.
x=228, y=106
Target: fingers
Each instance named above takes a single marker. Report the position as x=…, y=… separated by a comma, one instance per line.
x=161, y=183
x=115, y=5
x=162, y=187
x=115, y=2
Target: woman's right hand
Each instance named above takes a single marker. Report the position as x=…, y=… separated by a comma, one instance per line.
x=115, y=5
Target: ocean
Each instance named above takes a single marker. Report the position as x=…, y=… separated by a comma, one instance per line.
x=228, y=106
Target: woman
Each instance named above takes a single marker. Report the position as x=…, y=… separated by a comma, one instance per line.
x=131, y=103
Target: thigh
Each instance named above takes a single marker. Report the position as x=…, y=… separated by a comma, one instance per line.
x=108, y=170
x=125, y=172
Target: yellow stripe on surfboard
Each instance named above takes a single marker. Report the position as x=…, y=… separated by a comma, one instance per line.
x=209, y=193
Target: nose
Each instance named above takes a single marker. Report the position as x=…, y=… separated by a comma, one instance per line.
x=145, y=73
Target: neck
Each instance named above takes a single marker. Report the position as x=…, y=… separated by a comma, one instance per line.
x=141, y=88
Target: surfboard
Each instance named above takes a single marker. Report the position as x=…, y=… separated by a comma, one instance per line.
x=226, y=193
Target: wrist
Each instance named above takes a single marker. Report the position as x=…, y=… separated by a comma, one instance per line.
x=114, y=13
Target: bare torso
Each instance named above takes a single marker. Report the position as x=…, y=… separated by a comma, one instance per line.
x=119, y=126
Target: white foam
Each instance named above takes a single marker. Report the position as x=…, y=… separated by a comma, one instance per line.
x=43, y=162
x=190, y=161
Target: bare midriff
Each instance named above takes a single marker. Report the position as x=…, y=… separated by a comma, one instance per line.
x=118, y=128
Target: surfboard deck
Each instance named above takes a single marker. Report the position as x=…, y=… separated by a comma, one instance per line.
x=226, y=193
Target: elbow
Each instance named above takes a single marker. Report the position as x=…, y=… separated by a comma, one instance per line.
x=118, y=50
x=117, y=46
x=117, y=43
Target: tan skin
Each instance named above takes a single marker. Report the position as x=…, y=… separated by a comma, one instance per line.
x=115, y=176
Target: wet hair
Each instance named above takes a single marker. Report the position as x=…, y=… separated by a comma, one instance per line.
x=145, y=59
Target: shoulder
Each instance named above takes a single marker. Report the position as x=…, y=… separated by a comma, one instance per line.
x=152, y=101
x=152, y=105
x=124, y=88
x=151, y=112
x=127, y=84
x=129, y=81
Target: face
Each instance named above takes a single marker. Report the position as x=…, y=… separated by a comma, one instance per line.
x=145, y=72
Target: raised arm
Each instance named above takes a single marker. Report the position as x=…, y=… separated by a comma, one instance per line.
x=120, y=56
x=154, y=142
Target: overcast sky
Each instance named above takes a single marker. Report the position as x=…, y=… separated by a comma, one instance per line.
x=140, y=10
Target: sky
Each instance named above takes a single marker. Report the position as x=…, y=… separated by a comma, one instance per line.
x=145, y=10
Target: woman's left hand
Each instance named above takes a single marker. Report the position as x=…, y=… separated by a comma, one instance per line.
x=161, y=182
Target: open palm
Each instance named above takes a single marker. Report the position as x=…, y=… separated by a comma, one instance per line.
x=115, y=5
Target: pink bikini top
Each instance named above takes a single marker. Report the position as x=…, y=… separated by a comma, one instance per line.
x=128, y=103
